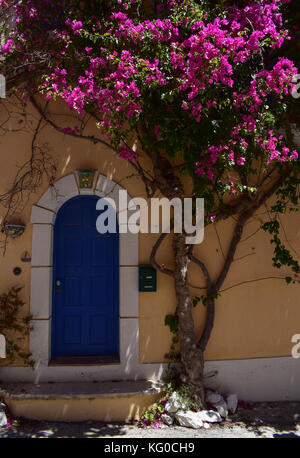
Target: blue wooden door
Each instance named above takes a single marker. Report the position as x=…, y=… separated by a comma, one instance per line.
x=85, y=283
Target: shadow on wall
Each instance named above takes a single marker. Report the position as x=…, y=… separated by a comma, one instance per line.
x=108, y=409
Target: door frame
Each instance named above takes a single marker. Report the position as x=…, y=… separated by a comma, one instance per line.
x=43, y=218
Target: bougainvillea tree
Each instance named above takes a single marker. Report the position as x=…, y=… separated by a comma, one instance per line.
x=205, y=84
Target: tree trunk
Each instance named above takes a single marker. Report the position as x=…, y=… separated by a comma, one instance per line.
x=191, y=355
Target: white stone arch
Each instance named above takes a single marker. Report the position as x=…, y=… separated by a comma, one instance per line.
x=43, y=218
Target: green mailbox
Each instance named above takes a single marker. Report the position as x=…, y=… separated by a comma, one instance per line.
x=147, y=279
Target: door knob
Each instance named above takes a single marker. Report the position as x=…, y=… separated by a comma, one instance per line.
x=58, y=285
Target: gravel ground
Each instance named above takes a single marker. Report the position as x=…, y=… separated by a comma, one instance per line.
x=262, y=420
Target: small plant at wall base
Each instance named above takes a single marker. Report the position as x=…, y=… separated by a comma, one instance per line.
x=14, y=328
x=152, y=416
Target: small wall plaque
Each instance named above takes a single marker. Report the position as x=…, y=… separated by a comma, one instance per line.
x=86, y=179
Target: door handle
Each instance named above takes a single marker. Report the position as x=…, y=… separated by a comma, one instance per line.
x=58, y=285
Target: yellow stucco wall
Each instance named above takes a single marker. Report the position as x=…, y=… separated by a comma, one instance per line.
x=256, y=319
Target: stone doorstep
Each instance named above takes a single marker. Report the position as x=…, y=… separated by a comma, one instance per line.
x=79, y=390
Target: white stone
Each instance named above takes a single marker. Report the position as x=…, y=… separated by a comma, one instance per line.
x=189, y=419
x=40, y=341
x=2, y=346
x=221, y=407
x=55, y=196
x=86, y=192
x=232, y=402
x=112, y=192
x=3, y=419
x=105, y=186
x=129, y=345
x=129, y=249
x=167, y=419
x=40, y=298
x=213, y=397
x=41, y=215
x=129, y=292
x=218, y=402
x=110, y=189
x=210, y=416
x=174, y=403
x=210, y=374
x=42, y=245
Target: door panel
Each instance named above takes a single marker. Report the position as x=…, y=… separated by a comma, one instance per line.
x=85, y=283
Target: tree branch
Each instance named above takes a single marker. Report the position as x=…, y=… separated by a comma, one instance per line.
x=204, y=270
x=244, y=217
x=157, y=266
x=72, y=134
x=210, y=306
x=215, y=288
x=251, y=281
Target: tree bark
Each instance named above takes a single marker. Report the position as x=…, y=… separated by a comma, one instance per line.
x=191, y=355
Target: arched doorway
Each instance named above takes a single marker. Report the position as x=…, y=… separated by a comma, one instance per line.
x=85, y=307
